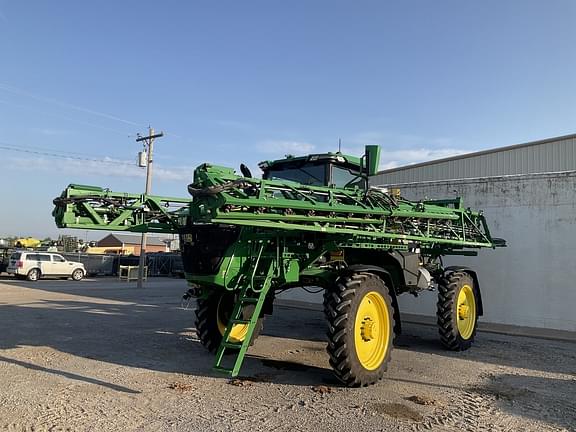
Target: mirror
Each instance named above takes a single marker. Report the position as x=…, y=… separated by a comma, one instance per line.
x=372, y=159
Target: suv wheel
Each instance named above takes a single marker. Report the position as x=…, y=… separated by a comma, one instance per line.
x=77, y=275
x=33, y=275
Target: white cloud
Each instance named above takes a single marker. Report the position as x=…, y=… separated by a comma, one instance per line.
x=398, y=139
x=395, y=158
x=279, y=147
x=402, y=149
x=108, y=167
x=406, y=156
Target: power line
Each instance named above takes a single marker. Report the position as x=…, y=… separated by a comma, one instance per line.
x=21, y=149
x=54, y=150
x=53, y=114
x=16, y=90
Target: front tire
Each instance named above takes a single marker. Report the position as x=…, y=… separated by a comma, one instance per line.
x=77, y=275
x=33, y=275
x=457, y=311
x=212, y=316
x=360, y=328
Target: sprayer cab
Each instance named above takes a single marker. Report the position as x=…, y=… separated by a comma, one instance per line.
x=325, y=169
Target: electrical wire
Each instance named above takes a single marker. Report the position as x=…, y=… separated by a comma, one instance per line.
x=53, y=150
x=21, y=92
x=63, y=117
x=66, y=105
x=21, y=149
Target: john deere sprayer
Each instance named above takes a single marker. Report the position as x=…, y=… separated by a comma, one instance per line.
x=310, y=221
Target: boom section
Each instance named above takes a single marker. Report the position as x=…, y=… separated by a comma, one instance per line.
x=95, y=208
x=221, y=197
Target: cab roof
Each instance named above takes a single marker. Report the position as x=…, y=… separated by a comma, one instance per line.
x=337, y=157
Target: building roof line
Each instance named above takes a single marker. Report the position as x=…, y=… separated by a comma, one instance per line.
x=553, y=174
x=477, y=153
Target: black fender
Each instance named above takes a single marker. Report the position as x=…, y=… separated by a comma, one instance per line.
x=387, y=278
x=474, y=277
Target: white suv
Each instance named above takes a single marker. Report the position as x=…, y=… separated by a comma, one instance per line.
x=34, y=265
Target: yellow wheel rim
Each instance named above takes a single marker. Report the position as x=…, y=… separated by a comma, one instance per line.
x=372, y=330
x=238, y=332
x=466, y=312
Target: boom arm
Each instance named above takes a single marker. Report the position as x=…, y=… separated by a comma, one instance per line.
x=350, y=216
x=92, y=207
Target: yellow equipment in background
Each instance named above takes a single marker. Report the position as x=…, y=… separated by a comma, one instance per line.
x=27, y=243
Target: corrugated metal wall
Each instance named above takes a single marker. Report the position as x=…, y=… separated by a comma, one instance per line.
x=531, y=281
x=552, y=155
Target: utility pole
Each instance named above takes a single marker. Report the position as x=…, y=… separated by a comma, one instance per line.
x=149, y=147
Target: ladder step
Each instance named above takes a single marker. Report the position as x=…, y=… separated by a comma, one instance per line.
x=232, y=345
x=253, y=292
x=249, y=300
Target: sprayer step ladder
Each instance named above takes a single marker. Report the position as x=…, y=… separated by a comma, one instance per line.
x=250, y=301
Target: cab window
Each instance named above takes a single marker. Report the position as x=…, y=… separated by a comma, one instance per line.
x=345, y=177
x=310, y=175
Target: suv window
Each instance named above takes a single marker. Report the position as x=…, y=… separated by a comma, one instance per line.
x=31, y=257
x=42, y=257
x=58, y=258
x=15, y=256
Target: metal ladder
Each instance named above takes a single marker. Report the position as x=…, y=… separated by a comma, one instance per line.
x=253, y=293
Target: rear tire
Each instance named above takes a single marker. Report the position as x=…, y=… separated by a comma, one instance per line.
x=457, y=311
x=212, y=315
x=360, y=328
x=33, y=275
x=77, y=275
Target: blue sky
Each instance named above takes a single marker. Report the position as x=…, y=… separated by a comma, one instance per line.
x=231, y=82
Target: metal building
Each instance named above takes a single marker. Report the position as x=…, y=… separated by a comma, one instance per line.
x=545, y=156
x=528, y=194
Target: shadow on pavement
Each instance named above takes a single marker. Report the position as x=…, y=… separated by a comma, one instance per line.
x=549, y=400
x=514, y=351
x=148, y=329
x=68, y=375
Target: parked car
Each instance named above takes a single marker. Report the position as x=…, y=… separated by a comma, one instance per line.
x=34, y=265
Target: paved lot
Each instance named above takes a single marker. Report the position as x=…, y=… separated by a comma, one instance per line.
x=101, y=355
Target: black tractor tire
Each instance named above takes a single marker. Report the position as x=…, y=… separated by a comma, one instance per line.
x=450, y=287
x=33, y=275
x=218, y=305
x=342, y=304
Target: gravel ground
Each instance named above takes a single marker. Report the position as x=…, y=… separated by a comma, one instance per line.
x=100, y=355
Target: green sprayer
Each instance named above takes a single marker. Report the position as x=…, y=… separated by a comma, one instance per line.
x=310, y=221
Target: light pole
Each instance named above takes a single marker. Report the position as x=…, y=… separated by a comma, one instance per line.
x=149, y=147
